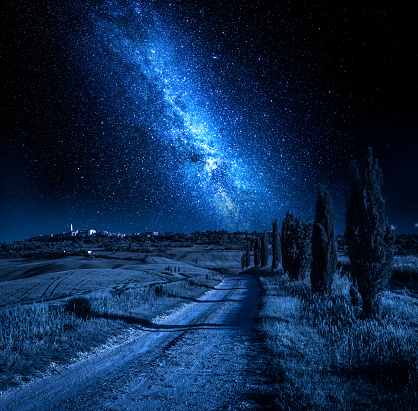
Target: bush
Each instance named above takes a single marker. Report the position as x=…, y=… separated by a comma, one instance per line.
x=79, y=306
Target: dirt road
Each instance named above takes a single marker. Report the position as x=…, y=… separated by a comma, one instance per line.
x=204, y=356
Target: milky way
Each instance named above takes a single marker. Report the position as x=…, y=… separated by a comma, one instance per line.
x=152, y=73
x=181, y=116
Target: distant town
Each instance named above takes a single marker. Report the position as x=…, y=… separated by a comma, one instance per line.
x=94, y=243
x=80, y=233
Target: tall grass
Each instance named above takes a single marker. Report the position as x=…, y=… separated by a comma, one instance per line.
x=23, y=324
x=386, y=349
x=34, y=338
x=324, y=355
x=405, y=269
x=381, y=350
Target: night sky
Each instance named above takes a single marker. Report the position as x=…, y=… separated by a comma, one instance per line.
x=133, y=116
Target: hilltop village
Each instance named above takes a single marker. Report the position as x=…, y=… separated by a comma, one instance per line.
x=91, y=242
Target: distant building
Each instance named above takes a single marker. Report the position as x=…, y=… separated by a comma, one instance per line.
x=107, y=234
x=82, y=233
x=72, y=233
x=86, y=232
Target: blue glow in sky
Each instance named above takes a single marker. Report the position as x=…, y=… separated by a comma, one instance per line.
x=184, y=116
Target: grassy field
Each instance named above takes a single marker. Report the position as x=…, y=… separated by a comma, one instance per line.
x=53, y=311
x=62, y=278
x=41, y=338
x=321, y=355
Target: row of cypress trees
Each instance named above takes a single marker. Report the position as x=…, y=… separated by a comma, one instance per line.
x=261, y=253
x=368, y=236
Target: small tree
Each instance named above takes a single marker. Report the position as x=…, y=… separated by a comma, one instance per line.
x=243, y=261
x=264, y=250
x=276, y=247
x=257, y=257
x=324, y=245
x=368, y=235
x=248, y=255
x=296, y=238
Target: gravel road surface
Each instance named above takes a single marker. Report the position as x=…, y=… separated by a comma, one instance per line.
x=204, y=356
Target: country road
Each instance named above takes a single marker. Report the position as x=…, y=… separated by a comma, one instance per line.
x=204, y=356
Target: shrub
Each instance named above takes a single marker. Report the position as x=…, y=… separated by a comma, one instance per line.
x=158, y=290
x=79, y=306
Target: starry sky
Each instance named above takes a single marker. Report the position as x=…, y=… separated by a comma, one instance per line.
x=133, y=116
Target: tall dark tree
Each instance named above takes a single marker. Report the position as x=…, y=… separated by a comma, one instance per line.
x=248, y=255
x=243, y=262
x=368, y=235
x=257, y=252
x=276, y=247
x=324, y=244
x=264, y=250
x=296, y=245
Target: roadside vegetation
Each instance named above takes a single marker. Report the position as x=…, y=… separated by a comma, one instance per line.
x=322, y=354
x=342, y=332
x=42, y=338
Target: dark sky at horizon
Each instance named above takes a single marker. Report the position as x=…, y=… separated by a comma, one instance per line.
x=132, y=116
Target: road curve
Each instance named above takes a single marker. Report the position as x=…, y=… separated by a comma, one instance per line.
x=204, y=356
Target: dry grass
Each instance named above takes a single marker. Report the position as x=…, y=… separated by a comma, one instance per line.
x=42, y=337
x=322, y=356
x=405, y=269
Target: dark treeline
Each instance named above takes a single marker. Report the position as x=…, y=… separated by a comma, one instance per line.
x=368, y=240
x=62, y=244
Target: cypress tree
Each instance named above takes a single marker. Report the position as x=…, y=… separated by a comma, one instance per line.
x=257, y=257
x=276, y=248
x=296, y=238
x=324, y=245
x=248, y=255
x=243, y=261
x=368, y=235
x=264, y=250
